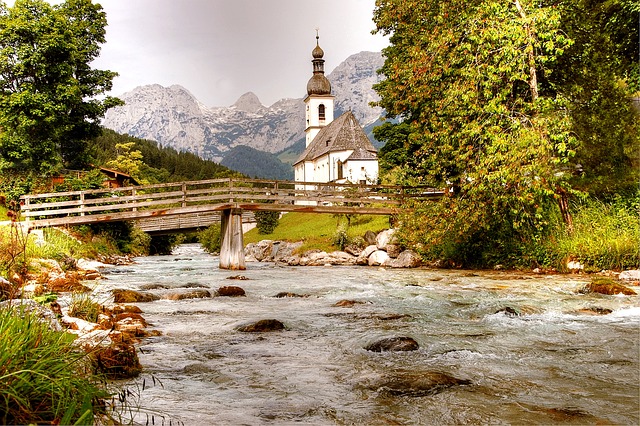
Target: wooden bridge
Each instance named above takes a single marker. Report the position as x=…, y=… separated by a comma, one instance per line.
x=193, y=205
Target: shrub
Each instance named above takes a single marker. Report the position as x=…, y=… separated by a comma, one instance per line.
x=341, y=238
x=44, y=377
x=210, y=239
x=266, y=221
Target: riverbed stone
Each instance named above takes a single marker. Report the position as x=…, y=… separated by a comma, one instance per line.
x=378, y=258
x=231, y=291
x=393, y=250
x=119, y=360
x=630, y=275
x=133, y=296
x=385, y=238
x=369, y=238
x=416, y=383
x=284, y=294
x=607, y=286
x=198, y=293
x=406, y=259
x=262, y=326
x=347, y=303
x=393, y=344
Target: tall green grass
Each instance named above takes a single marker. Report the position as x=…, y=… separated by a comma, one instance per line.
x=44, y=378
x=605, y=236
x=318, y=231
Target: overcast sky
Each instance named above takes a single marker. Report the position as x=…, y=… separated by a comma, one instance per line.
x=221, y=49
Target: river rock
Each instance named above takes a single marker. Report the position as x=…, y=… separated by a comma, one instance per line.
x=595, y=310
x=132, y=296
x=369, y=238
x=231, y=291
x=262, y=326
x=394, y=344
x=65, y=282
x=155, y=287
x=347, y=303
x=119, y=360
x=606, y=286
x=416, y=383
x=192, y=294
x=393, y=250
x=385, y=238
x=90, y=265
x=378, y=258
x=630, y=275
x=284, y=294
x=406, y=259
x=353, y=249
x=42, y=312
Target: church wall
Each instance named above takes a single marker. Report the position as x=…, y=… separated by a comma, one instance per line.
x=359, y=170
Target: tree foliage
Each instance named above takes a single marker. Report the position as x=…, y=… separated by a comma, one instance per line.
x=467, y=81
x=49, y=104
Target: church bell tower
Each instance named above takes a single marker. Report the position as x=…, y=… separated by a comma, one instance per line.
x=319, y=101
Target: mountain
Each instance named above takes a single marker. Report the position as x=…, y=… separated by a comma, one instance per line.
x=174, y=118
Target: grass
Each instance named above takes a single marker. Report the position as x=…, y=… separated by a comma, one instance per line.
x=44, y=377
x=605, y=236
x=317, y=231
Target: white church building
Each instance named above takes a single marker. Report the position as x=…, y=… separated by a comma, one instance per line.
x=336, y=150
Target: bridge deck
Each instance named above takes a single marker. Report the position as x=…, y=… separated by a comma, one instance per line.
x=202, y=199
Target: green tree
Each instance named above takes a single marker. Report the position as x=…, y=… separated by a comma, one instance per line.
x=128, y=161
x=49, y=103
x=468, y=82
x=599, y=74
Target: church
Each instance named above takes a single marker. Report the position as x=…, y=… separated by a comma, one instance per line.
x=336, y=150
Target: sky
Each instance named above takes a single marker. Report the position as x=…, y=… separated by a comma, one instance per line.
x=221, y=49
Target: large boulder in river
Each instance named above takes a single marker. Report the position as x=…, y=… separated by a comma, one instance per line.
x=231, y=291
x=385, y=238
x=606, y=286
x=262, y=326
x=378, y=258
x=406, y=259
x=132, y=296
x=415, y=383
x=198, y=293
x=394, y=344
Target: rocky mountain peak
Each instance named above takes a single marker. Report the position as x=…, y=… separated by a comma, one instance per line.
x=174, y=117
x=248, y=102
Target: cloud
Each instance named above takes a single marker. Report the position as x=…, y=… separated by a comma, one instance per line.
x=220, y=49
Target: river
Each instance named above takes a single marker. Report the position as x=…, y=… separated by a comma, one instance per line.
x=495, y=347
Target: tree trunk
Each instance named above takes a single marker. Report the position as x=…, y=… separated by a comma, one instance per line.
x=533, y=78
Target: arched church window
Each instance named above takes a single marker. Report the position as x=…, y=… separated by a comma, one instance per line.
x=321, y=113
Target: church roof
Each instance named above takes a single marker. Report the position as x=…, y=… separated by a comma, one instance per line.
x=342, y=134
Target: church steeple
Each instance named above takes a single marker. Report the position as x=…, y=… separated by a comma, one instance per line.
x=319, y=100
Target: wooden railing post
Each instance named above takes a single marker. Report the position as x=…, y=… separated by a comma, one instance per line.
x=82, y=204
x=133, y=195
x=184, y=194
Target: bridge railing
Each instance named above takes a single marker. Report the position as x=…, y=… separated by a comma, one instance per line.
x=183, y=197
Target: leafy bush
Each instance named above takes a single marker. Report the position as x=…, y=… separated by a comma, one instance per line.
x=210, y=239
x=341, y=238
x=266, y=221
x=44, y=377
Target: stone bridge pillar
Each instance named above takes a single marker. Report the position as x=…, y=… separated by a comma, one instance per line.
x=232, y=244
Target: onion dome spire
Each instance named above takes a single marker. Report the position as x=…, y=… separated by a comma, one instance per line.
x=318, y=84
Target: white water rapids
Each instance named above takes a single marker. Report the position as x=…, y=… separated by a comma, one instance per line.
x=551, y=364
